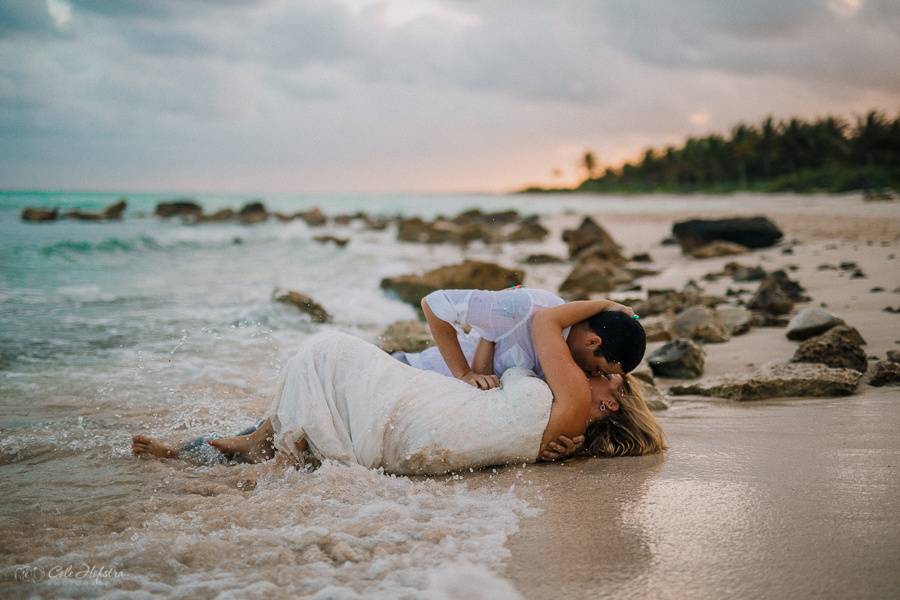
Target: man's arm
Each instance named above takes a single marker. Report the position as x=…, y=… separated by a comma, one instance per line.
x=448, y=344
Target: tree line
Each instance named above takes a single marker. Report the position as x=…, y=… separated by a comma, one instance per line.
x=827, y=154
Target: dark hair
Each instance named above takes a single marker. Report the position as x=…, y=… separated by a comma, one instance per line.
x=624, y=340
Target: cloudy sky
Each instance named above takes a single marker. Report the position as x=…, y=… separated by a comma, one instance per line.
x=409, y=95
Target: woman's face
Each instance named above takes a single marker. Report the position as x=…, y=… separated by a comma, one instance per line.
x=603, y=390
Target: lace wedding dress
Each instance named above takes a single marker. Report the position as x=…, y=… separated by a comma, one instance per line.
x=355, y=404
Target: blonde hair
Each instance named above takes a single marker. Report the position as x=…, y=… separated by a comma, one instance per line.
x=630, y=431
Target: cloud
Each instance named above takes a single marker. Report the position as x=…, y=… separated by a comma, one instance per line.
x=388, y=94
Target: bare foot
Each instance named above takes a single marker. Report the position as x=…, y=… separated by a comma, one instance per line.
x=252, y=448
x=143, y=444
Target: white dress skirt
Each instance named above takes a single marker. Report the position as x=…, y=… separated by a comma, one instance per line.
x=356, y=404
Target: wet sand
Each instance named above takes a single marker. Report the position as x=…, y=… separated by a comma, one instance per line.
x=789, y=498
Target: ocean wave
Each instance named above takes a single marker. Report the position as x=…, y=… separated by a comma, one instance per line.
x=108, y=246
x=337, y=532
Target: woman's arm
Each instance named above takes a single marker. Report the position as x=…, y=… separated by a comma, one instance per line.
x=571, y=410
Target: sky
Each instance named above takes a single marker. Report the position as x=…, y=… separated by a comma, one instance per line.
x=409, y=95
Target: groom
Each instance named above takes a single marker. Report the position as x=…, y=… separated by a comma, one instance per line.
x=611, y=342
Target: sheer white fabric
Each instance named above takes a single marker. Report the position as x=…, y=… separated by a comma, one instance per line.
x=355, y=404
x=502, y=317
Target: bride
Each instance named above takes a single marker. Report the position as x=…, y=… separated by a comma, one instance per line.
x=344, y=399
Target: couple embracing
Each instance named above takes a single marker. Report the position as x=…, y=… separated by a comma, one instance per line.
x=516, y=375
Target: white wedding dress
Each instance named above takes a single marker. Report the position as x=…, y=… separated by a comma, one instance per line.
x=356, y=404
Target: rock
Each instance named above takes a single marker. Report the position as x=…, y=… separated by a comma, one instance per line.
x=654, y=398
x=664, y=301
x=528, y=232
x=776, y=294
x=253, y=212
x=467, y=275
x=735, y=319
x=893, y=355
x=764, y=319
x=681, y=359
x=718, y=248
x=377, y=224
x=593, y=276
x=313, y=217
x=179, y=208
x=504, y=217
x=220, y=216
x=885, y=372
x=324, y=239
x=752, y=232
x=591, y=236
x=304, y=303
x=669, y=241
x=114, y=211
x=876, y=289
x=40, y=214
x=892, y=310
x=642, y=257
x=839, y=347
x=740, y=272
x=778, y=381
x=419, y=231
x=643, y=372
x=657, y=329
x=810, y=322
x=542, y=259
x=700, y=324
x=405, y=336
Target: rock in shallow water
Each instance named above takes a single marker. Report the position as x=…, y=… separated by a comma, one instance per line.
x=304, y=303
x=779, y=381
x=405, y=336
x=839, y=347
x=681, y=359
x=811, y=322
x=471, y=274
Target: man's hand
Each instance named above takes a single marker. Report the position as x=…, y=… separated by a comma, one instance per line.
x=562, y=448
x=482, y=382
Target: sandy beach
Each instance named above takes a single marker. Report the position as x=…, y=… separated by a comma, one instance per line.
x=766, y=499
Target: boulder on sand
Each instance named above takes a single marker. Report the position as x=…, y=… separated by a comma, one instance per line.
x=179, y=208
x=304, y=303
x=592, y=237
x=542, y=259
x=810, y=322
x=700, y=323
x=405, y=336
x=778, y=381
x=885, y=372
x=735, y=319
x=752, y=232
x=470, y=274
x=776, y=294
x=667, y=300
x=593, y=276
x=680, y=359
x=839, y=347
x=718, y=248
